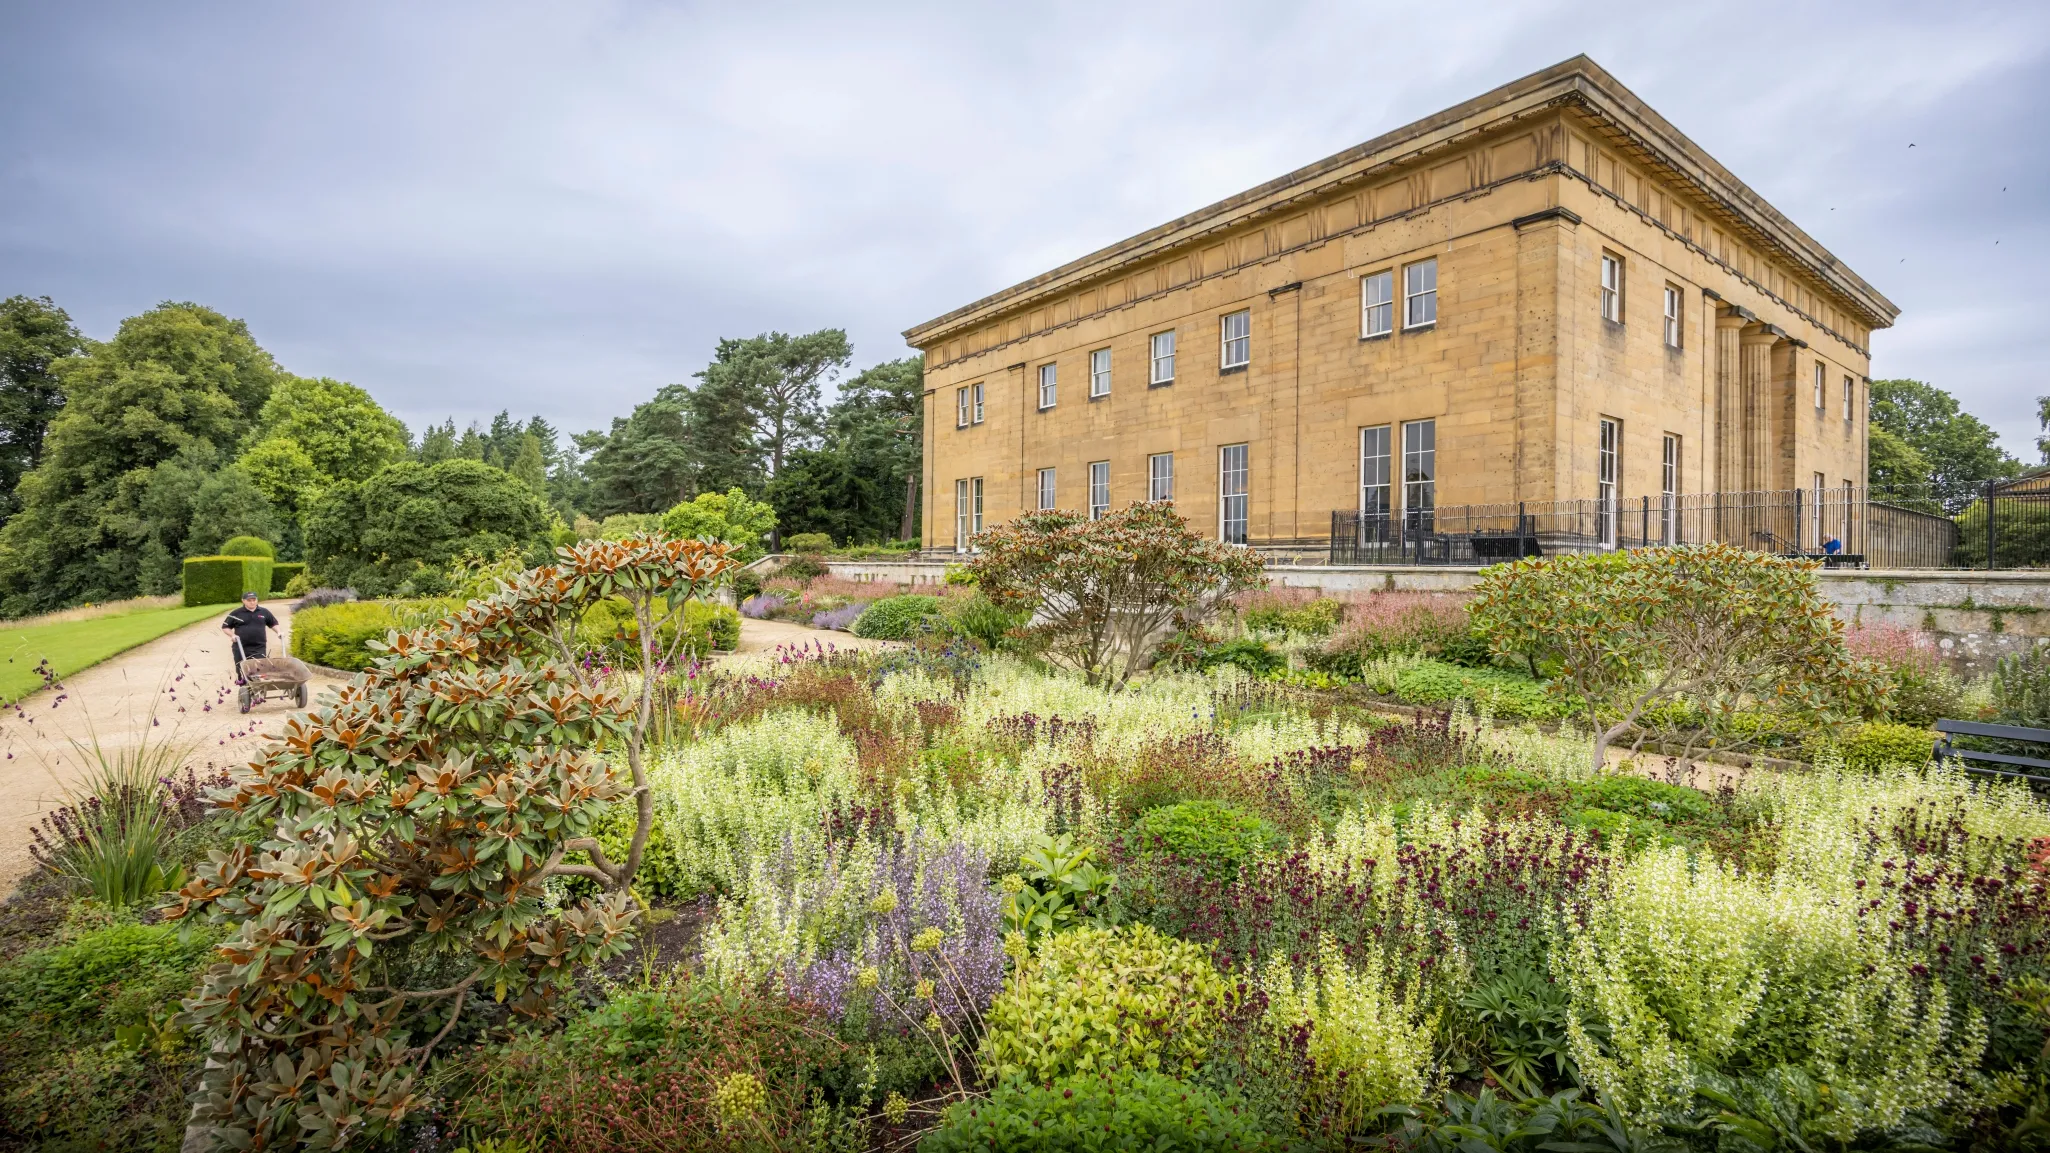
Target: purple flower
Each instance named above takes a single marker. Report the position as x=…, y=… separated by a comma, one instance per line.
x=759, y=607
x=839, y=619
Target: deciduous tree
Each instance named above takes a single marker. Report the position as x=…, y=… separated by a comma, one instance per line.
x=35, y=335
x=1961, y=453
x=410, y=521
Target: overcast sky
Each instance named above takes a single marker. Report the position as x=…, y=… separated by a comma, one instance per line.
x=557, y=208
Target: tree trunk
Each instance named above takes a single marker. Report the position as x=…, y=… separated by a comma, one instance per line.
x=908, y=524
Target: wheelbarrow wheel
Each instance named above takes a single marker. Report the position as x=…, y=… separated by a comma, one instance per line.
x=299, y=695
x=242, y=698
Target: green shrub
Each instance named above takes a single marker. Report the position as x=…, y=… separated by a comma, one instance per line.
x=1499, y=692
x=1093, y=1000
x=1213, y=836
x=1640, y=797
x=1312, y=619
x=116, y=970
x=897, y=618
x=299, y=585
x=283, y=572
x=1253, y=656
x=1877, y=744
x=1616, y=830
x=219, y=580
x=1467, y=648
x=609, y=626
x=807, y=542
x=985, y=620
x=747, y=584
x=2021, y=688
x=801, y=568
x=1112, y=1111
x=337, y=635
x=248, y=546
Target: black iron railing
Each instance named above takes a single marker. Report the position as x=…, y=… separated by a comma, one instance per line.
x=2005, y=524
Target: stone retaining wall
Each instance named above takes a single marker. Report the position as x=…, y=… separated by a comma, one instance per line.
x=1976, y=617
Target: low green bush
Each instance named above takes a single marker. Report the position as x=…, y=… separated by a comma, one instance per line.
x=117, y=970
x=284, y=572
x=984, y=620
x=1315, y=618
x=1499, y=692
x=897, y=618
x=1253, y=656
x=337, y=635
x=718, y=625
x=1640, y=797
x=248, y=546
x=801, y=568
x=299, y=585
x=220, y=580
x=1876, y=744
x=1106, y=1112
x=808, y=542
x=1215, y=837
x=609, y=626
x=1092, y=1000
x=1618, y=831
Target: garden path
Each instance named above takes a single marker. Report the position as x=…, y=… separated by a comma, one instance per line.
x=757, y=636
x=178, y=688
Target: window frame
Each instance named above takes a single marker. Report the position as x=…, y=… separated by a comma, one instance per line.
x=1225, y=340
x=1385, y=306
x=977, y=386
x=977, y=486
x=961, y=407
x=1155, y=359
x=1048, y=488
x=1226, y=496
x=1420, y=485
x=1675, y=313
x=1049, y=384
x=1821, y=387
x=1612, y=293
x=1670, y=450
x=1821, y=486
x=1412, y=294
x=1376, y=497
x=961, y=513
x=1850, y=399
x=1608, y=481
x=1099, y=373
x=1155, y=489
x=1099, y=489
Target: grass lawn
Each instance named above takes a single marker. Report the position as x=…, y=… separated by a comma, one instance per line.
x=78, y=644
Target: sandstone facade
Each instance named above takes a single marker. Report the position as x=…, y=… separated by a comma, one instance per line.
x=1589, y=265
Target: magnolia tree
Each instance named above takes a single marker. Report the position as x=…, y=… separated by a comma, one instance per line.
x=396, y=843
x=1106, y=592
x=1691, y=644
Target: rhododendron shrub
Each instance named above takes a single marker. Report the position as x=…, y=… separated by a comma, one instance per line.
x=1105, y=593
x=1721, y=632
x=395, y=842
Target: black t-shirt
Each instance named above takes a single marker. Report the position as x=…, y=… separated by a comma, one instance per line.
x=249, y=625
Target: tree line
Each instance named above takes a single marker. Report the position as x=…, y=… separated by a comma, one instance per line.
x=120, y=458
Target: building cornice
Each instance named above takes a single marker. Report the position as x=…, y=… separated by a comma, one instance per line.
x=1625, y=122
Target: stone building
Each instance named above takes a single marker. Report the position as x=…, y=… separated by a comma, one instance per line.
x=1547, y=293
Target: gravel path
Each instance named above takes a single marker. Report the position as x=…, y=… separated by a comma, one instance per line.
x=178, y=688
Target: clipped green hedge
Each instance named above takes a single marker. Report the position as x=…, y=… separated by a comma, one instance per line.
x=1877, y=744
x=248, y=546
x=282, y=572
x=218, y=580
x=336, y=635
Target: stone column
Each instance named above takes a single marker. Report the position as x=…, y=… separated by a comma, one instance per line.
x=1756, y=362
x=1729, y=402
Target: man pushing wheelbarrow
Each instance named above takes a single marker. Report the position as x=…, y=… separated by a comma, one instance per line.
x=260, y=675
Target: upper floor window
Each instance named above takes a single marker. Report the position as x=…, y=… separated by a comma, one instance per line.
x=1160, y=476
x=961, y=407
x=1672, y=316
x=1099, y=372
x=1099, y=488
x=1420, y=294
x=1046, y=489
x=1850, y=389
x=1235, y=332
x=1820, y=370
x=1377, y=303
x=1048, y=381
x=975, y=391
x=1163, y=357
x=1612, y=287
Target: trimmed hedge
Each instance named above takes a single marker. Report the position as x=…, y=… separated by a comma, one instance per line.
x=282, y=572
x=248, y=546
x=217, y=580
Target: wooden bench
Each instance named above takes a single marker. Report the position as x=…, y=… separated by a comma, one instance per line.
x=2034, y=770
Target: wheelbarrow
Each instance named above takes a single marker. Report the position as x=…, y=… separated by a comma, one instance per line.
x=267, y=678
